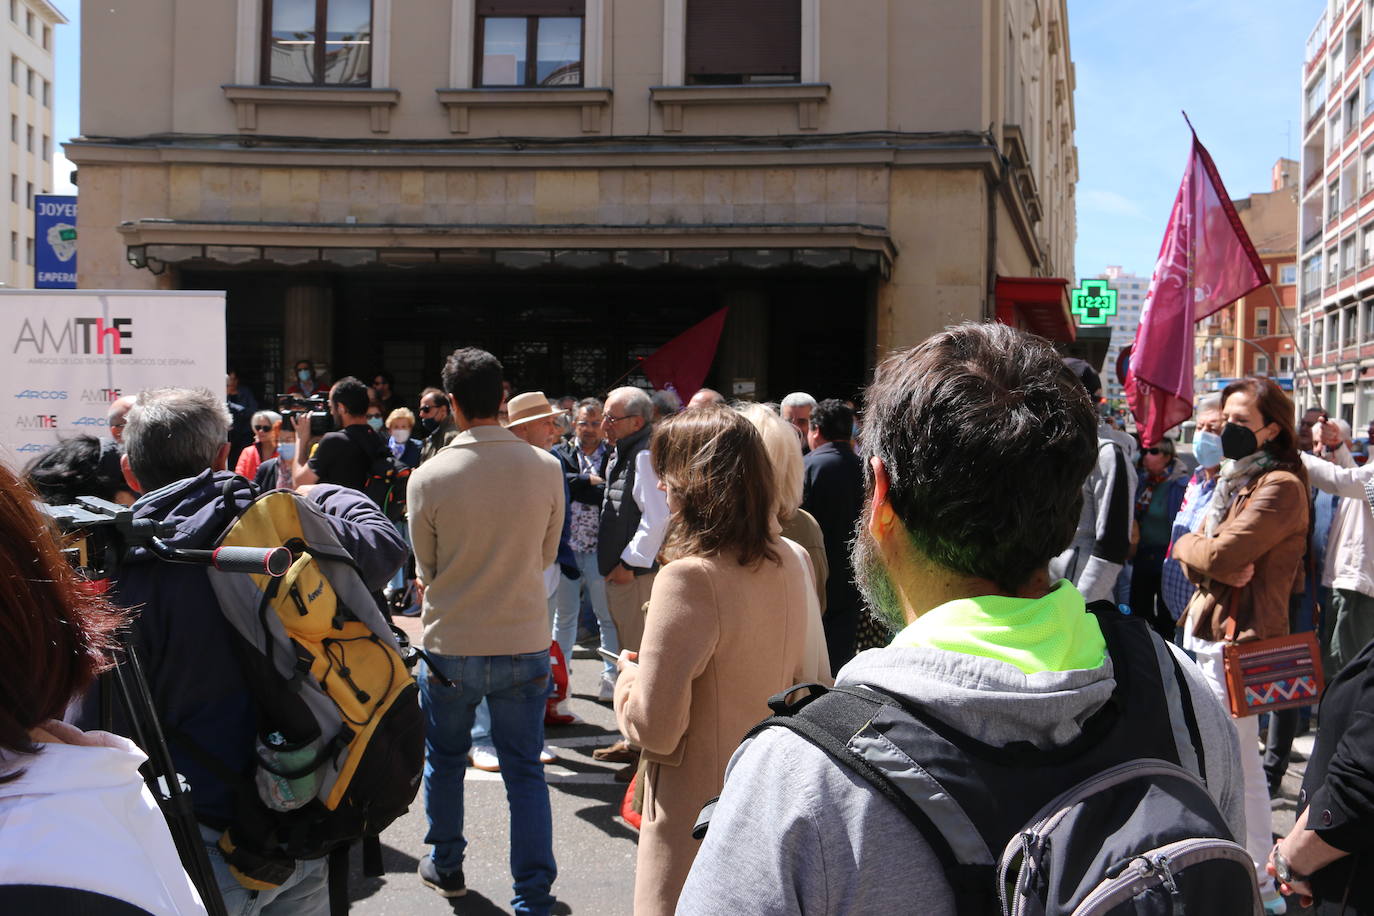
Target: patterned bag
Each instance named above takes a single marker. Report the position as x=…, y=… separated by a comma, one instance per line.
x=1266, y=675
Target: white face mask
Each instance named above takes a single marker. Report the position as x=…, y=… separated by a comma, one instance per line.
x=287, y=451
x=400, y=434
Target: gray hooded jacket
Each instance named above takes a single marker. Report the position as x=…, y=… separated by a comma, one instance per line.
x=796, y=832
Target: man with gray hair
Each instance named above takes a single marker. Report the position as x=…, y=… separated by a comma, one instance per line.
x=796, y=410
x=634, y=520
x=634, y=514
x=115, y=417
x=176, y=444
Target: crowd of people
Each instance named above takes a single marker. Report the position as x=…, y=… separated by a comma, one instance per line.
x=979, y=531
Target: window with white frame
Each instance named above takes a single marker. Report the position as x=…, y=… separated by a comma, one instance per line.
x=1288, y=274
x=1352, y=113
x=1333, y=266
x=1286, y=364
x=1315, y=98
x=1347, y=255
x=1262, y=321
x=317, y=42
x=1261, y=364
x=530, y=43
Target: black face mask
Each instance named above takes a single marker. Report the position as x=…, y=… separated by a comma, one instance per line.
x=424, y=428
x=1238, y=442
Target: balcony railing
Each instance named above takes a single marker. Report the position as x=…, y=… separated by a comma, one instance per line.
x=1312, y=239
x=1316, y=41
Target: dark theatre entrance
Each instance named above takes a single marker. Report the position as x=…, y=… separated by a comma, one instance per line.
x=573, y=334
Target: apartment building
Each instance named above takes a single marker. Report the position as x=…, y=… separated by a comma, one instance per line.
x=27, y=158
x=1254, y=335
x=570, y=183
x=1336, y=218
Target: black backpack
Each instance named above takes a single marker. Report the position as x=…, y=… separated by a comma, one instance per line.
x=387, y=478
x=1119, y=821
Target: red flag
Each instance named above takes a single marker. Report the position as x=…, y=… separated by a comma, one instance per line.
x=682, y=363
x=1206, y=262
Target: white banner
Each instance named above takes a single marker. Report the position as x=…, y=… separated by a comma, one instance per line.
x=68, y=353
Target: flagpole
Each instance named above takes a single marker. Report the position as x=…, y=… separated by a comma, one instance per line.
x=1297, y=347
x=626, y=374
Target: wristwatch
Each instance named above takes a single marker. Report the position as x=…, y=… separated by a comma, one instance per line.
x=1283, y=871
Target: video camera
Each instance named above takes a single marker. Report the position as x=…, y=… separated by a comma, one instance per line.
x=316, y=407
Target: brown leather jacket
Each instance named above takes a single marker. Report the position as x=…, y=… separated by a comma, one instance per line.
x=1267, y=526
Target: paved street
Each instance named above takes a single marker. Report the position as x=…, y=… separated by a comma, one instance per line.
x=595, y=849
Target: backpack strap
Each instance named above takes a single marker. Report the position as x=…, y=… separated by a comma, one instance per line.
x=1127, y=638
x=840, y=722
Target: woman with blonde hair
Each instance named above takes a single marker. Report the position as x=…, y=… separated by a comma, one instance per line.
x=799, y=528
x=726, y=629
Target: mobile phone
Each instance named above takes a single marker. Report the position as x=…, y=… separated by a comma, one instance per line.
x=612, y=657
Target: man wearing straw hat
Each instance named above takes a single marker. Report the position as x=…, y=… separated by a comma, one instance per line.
x=532, y=417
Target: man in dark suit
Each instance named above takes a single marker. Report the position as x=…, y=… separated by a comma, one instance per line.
x=833, y=493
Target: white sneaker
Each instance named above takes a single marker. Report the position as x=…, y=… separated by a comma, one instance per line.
x=607, y=692
x=483, y=757
x=548, y=755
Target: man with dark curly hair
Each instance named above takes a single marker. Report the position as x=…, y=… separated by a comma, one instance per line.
x=974, y=451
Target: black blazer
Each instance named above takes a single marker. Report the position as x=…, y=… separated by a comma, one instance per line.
x=833, y=492
x=1338, y=786
x=580, y=486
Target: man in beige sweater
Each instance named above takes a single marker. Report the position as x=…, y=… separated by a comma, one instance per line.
x=486, y=513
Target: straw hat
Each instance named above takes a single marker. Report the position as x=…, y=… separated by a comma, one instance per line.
x=527, y=406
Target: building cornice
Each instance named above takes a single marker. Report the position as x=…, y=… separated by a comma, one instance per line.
x=945, y=150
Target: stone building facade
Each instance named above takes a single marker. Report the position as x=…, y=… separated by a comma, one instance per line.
x=896, y=168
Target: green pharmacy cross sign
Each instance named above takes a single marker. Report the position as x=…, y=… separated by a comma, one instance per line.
x=1093, y=302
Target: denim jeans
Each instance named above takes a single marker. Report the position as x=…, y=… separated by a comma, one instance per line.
x=398, y=581
x=569, y=599
x=305, y=893
x=515, y=687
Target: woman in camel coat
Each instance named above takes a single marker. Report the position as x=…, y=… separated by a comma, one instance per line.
x=726, y=629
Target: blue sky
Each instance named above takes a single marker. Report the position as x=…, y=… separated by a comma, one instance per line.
x=1234, y=65
x=67, y=104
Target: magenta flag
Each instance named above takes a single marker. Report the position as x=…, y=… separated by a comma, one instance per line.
x=682, y=363
x=1205, y=263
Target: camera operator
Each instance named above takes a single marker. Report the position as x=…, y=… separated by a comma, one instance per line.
x=344, y=456
x=81, y=832
x=176, y=445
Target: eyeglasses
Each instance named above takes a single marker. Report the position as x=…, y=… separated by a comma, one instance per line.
x=371, y=415
x=120, y=425
x=263, y=429
x=610, y=419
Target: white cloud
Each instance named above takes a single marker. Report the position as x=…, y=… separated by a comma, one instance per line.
x=1107, y=202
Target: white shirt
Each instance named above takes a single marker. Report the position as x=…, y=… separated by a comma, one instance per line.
x=642, y=551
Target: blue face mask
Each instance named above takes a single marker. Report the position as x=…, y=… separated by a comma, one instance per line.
x=303, y=374
x=1207, y=449
x=287, y=451
x=375, y=423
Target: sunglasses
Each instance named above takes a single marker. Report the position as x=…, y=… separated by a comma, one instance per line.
x=263, y=429
x=1155, y=451
x=371, y=415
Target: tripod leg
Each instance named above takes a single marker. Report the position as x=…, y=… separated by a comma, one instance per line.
x=163, y=782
